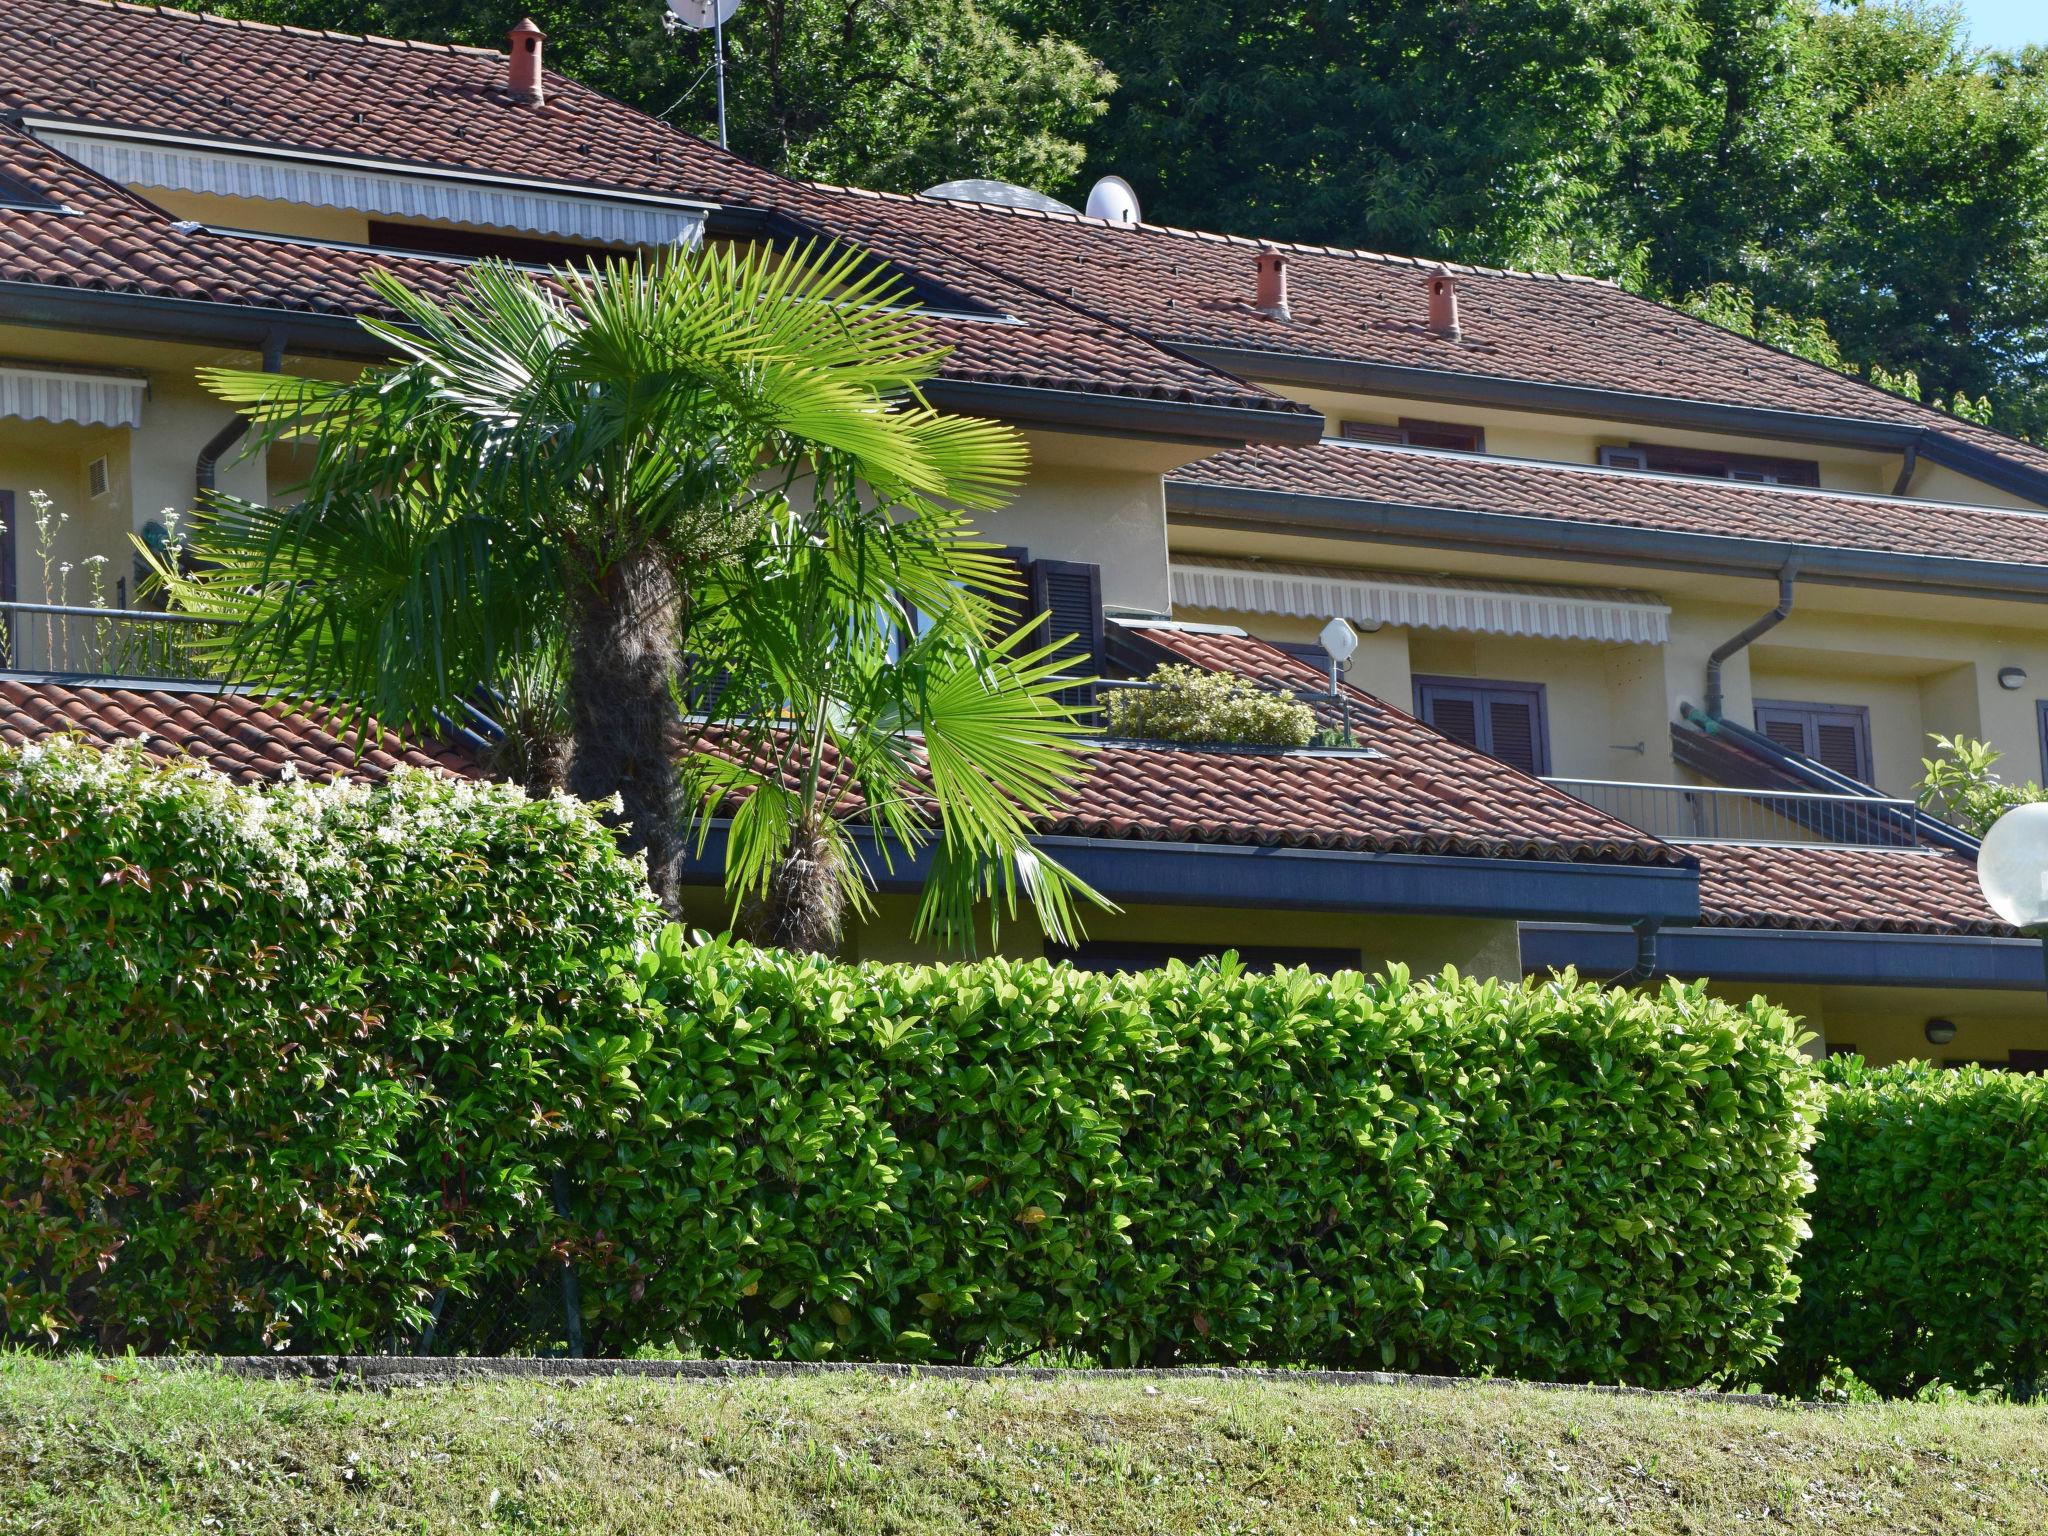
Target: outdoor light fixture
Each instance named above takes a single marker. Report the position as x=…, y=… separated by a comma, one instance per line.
x=2012, y=867
x=1940, y=1031
x=2011, y=679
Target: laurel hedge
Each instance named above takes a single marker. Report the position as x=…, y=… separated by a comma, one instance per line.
x=327, y=1068
x=279, y=1069
x=1929, y=1255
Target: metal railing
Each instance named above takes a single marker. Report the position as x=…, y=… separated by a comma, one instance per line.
x=1711, y=814
x=53, y=640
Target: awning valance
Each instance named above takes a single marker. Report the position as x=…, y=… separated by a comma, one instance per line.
x=88, y=399
x=391, y=192
x=1419, y=602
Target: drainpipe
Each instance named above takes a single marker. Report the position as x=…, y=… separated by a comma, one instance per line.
x=206, y=472
x=1912, y=462
x=1646, y=955
x=1764, y=625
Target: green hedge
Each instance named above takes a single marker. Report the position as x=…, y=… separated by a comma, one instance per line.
x=978, y=1162
x=279, y=1068
x=307, y=1068
x=1929, y=1255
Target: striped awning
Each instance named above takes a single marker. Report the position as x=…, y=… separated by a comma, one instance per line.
x=1419, y=602
x=385, y=191
x=59, y=395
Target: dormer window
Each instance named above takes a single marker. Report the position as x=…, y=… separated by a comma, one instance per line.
x=1411, y=432
x=16, y=193
x=1709, y=463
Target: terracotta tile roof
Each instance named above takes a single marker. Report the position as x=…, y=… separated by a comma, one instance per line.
x=1620, y=498
x=244, y=736
x=1827, y=887
x=1191, y=287
x=428, y=104
x=174, y=72
x=1423, y=793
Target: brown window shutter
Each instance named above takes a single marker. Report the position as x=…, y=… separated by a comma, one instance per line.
x=1839, y=746
x=1015, y=607
x=1457, y=717
x=1069, y=594
x=1784, y=731
x=1512, y=725
x=1453, y=435
x=1369, y=432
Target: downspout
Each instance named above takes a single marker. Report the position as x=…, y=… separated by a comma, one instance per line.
x=1646, y=955
x=206, y=472
x=1912, y=462
x=1762, y=626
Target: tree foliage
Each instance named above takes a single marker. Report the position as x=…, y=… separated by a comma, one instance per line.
x=593, y=472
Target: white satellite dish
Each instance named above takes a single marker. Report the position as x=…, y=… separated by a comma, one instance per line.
x=1005, y=194
x=703, y=15
x=1112, y=199
x=712, y=15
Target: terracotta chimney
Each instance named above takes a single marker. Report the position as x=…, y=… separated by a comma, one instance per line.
x=1443, y=305
x=1271, y=300
x=524, y=79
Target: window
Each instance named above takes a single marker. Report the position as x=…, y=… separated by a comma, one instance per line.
x=1757, y=469
x=1836, y=736
x=1069, y=593
x=1503, y=720
x=1413, y=433
x=2040, y=716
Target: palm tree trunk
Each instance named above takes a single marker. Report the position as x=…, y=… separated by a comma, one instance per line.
x=804, y=905
x=623, y=726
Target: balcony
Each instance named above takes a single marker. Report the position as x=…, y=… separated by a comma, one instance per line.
x=136, y=644
x=1696, y=813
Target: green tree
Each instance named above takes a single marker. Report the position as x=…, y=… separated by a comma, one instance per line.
x=1961, y=783
x=883, y=93
x=588, y=477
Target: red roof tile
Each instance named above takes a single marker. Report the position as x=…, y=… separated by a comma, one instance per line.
x=177, y=73
x=1841, y=889
x=1621, y=498
x=1424, y=792
x=1189, y=287
x=244, y=736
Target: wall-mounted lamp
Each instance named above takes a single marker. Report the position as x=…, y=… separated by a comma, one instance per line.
x=1940, y=1031
x=2011, y=679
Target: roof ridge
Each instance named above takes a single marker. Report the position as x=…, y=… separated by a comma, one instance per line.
x=1660, y=476
x=1250, y=242
x=312, y=34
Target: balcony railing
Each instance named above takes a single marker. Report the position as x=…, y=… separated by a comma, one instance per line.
x=1711, y=814
x=49, y=639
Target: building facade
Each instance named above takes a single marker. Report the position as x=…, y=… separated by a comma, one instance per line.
x=1656, y=621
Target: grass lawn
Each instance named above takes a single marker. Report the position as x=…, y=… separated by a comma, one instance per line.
x=113, y=1446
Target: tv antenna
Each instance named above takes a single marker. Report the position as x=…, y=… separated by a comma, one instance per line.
x=708, y=16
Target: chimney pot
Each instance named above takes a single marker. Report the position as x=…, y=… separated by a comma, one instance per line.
x=1271, y=297
x=524, y=76
x=1443, y=305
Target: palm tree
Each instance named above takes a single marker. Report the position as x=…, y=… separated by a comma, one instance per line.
x=590, y=492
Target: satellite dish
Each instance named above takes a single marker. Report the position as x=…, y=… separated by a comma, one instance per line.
x=1112, y=199
x=703, y=15
x=976, y=189
x=1339, y=641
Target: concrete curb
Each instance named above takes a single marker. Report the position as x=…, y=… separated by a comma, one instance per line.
x=393, y=1371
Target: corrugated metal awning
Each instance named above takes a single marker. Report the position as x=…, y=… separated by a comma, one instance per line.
x=60, y=395
x=384, y=191
x=1419, y=602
